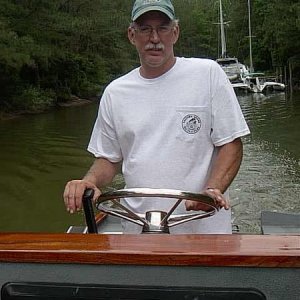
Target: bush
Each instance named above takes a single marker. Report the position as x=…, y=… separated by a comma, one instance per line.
x=63, y=94
x=34, y=99
x=89, y=89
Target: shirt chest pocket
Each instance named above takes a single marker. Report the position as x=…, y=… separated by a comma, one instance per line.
x=192, y=123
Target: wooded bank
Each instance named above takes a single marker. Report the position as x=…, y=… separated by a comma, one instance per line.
x=51, y=50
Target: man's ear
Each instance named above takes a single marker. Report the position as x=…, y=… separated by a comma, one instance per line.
x=131, y=35
x=176, y=33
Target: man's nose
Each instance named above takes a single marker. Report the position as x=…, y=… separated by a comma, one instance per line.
x=154, y=36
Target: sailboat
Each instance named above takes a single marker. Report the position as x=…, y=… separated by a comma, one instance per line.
x=230, y=65
x=258, y=82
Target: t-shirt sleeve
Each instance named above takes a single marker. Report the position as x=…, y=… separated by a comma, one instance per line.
x=228, y=122
x=103, y=142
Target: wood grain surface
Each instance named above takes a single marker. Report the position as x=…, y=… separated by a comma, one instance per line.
x=165, y=250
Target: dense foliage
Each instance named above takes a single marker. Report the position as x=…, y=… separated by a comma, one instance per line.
x=50, y=50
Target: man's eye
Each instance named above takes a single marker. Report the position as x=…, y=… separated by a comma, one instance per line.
x=163, y=28
x=145, y=29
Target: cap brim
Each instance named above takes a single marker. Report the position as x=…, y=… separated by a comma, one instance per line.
x=151, y=8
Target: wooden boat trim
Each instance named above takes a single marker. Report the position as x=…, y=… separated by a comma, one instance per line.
x=163, y=250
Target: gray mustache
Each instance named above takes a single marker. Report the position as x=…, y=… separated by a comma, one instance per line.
x=151, y=46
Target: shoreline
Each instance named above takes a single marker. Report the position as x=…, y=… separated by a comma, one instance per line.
x=74, y=101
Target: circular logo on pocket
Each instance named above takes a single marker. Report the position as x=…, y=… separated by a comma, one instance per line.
x=191, y=123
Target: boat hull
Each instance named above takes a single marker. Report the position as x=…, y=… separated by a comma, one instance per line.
x=273, y=283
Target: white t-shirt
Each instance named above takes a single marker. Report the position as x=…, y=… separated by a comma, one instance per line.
x=166, y=131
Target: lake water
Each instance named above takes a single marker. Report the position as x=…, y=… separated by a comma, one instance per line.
x=40, y=153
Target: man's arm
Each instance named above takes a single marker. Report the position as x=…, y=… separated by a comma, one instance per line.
x=226, y=165
x=225, y=168
x=100, y=174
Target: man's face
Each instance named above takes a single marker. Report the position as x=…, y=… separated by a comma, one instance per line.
x=154, y=35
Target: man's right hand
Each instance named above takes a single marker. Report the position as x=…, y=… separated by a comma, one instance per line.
x=73, y=193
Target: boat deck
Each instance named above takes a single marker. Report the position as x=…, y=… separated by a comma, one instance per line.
x=259, y=267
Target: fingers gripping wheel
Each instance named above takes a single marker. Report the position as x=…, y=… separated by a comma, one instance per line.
x=155, y=221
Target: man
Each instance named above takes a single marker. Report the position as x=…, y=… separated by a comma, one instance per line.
x=172, y=123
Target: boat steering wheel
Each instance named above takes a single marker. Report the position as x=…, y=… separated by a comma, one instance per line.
x=155, y=221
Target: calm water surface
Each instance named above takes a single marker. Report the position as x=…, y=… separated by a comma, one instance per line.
x=40, y=153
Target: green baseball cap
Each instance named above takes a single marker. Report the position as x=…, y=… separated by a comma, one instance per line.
x=142, y=6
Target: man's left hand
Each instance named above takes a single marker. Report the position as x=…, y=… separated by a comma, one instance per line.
x=216, y=194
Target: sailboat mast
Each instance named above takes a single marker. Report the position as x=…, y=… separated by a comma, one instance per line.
x=223, y=41
x=250, y=36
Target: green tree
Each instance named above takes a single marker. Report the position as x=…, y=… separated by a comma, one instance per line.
x=51, y=50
